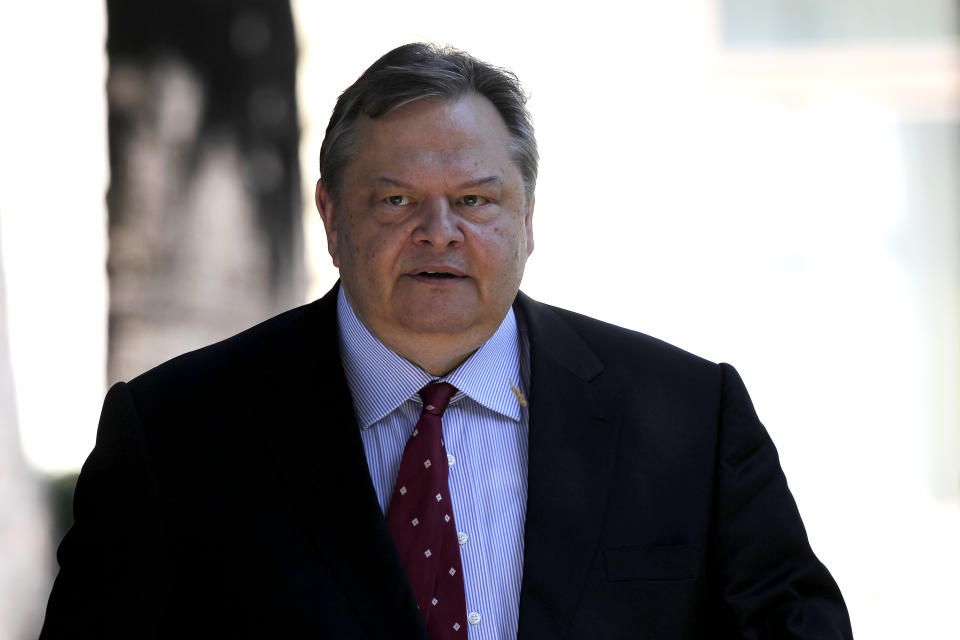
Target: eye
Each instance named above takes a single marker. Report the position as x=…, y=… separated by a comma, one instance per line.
x=397, y=201
x=474, y=201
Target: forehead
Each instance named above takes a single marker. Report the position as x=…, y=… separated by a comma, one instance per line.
x=463, y=134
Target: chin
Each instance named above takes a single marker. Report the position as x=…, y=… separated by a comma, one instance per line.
x=435, y=323
x=438, y=313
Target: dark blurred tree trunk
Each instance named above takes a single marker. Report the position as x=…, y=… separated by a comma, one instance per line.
x=204, y=202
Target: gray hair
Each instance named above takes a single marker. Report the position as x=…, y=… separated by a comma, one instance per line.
x=421, y=70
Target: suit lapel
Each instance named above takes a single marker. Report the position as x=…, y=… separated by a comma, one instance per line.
x=574, y=428
x=317, y=447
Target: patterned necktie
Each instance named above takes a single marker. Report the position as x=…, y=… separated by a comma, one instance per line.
x=421, y=521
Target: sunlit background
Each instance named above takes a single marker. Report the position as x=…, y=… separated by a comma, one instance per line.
x=771, y=183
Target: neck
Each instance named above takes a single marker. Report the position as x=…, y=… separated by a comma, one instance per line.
x=433, y=358
x=436, y=353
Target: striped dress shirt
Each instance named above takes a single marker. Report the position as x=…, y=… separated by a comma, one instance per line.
x=485, y=434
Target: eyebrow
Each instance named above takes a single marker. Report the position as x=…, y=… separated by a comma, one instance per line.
x=391, y=182
x=480, y=182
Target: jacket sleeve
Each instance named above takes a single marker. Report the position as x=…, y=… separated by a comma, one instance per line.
x=112, y=577
x=771, y=583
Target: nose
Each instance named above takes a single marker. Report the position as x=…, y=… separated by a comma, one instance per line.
x=438, y=225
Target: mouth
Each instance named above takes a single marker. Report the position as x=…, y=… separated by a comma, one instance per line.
x=437, y=276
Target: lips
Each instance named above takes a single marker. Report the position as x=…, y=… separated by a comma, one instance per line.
x=437, y=274
x=437, y=271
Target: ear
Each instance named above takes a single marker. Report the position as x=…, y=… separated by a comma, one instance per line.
x=528, y=223
x=328, y=214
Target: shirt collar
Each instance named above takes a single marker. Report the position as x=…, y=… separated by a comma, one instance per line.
x=380, y=380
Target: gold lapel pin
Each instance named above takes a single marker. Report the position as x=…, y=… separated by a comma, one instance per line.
x=518, y=393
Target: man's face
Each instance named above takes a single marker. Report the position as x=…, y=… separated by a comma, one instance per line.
x=432, y=229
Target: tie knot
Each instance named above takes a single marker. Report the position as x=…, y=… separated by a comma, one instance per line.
x=436, y=396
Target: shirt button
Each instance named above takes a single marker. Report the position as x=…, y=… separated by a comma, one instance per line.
x=451, y=460
x=462, y=537
x=473, y=617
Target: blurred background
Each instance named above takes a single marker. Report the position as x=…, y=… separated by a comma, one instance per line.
x=772, y=183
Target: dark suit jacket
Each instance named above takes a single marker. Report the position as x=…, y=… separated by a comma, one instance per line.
x=228, y=496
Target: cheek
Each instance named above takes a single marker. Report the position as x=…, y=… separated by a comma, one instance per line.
x=516, y=239
x=361, y=242
x=376, y=256
x=507, y=253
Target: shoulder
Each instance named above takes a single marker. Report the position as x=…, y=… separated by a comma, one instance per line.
x=644, y=374
x=205, y=412
x=242, y=360
x=613, y=345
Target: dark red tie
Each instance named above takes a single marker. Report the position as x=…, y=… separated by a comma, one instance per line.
x=421, y=521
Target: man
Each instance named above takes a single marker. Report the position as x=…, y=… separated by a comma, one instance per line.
x=598, y=483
